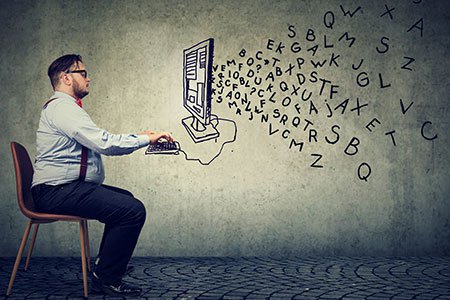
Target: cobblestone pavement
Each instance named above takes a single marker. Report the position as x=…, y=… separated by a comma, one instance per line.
x=246, y=278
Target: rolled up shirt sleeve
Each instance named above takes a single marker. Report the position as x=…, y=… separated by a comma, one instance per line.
x=75, y=123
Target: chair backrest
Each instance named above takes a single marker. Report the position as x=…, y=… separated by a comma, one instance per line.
x=24, y=176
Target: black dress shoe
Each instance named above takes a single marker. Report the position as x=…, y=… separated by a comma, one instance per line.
x=120, y=288
x=129, y=269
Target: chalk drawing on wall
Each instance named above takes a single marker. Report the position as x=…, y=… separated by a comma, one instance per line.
x=204, y=128
x=290, y=85
x=208, y=132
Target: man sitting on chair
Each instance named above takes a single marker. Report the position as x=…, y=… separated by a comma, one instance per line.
x=69, y=173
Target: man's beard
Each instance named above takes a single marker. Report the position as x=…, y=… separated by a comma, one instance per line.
x=78, y=92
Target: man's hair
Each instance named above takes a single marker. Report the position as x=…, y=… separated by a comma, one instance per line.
x=62, y=64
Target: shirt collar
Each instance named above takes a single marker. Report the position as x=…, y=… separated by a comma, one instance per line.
x=59, y=94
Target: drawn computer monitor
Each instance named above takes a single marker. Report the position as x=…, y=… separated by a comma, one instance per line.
x=197, y=77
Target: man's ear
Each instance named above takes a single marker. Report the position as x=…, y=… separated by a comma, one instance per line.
x=65, y=79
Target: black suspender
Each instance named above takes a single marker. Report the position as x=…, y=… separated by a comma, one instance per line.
x=48, y=102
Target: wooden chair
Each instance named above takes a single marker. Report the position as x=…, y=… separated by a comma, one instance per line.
x=24, y=174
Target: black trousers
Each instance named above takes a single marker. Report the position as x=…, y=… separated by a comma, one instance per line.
x=122, y=214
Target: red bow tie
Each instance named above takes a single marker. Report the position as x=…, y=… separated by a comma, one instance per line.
x=80, y=104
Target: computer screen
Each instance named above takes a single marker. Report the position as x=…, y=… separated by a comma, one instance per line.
x=197, y=81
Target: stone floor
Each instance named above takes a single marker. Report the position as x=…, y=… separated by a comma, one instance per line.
x=246, y=278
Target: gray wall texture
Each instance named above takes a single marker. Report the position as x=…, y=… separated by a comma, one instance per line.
x=345, y=158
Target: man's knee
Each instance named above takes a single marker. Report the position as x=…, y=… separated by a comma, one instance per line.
x=139, y=211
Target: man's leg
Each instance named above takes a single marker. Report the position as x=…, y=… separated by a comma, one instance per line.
x=122, y=214
x=107, y=226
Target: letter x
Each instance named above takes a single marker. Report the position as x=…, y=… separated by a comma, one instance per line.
x=388, y=11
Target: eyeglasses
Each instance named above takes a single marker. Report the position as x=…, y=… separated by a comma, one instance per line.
x=82, y=72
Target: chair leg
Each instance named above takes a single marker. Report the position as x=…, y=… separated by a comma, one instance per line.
x=83, y=257
x=19, y=256
x=88, y=250
x=33, y=240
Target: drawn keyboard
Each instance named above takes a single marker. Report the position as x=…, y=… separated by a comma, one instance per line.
x=163, y=148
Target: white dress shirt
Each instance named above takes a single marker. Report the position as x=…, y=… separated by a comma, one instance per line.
x=63, y=128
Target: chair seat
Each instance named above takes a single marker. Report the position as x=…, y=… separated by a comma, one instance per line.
x=47, y=218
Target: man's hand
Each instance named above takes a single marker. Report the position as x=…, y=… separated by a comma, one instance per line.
x=154, y=136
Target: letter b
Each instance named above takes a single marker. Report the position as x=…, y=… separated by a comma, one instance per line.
x=310, y=35
x=354, y=142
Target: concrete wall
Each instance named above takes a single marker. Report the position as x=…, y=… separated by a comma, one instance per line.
x=259, y=196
